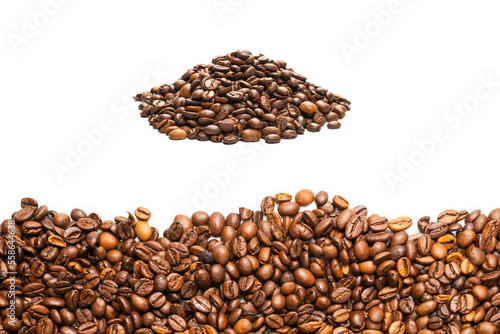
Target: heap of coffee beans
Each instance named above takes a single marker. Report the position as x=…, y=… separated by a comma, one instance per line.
x=280, y=269
x=241, y=96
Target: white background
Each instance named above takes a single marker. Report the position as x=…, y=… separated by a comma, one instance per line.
x=84, y=60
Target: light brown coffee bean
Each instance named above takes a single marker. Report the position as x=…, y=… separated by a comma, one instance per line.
x=304, y=197
x=177, y=134
x=400, y=224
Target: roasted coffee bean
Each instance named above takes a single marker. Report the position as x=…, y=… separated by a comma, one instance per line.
x=230, y=289
x=341, y=295
x=324, y=270
x=304, y=197
x=354, y=227
x=333, y=125
x=243, y=326
x=88, y=328
x=177, y=323
x=400, y=224
x=269, y=101
x=143, y=230
x=378, y=224
x=426, y=307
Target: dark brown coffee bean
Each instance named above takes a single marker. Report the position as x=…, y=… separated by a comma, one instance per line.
x=378, y=224
x=341, y=295
x=243, y=326
x=288, y=208
x=284, y=270
x=426, y=307
x=354, y=227
x=397, y=327
x=230, y=289
x=333, y=125
x=304, y=277
x=201, y=304
x=88, y=328
x=274, y=321
x=268, y=95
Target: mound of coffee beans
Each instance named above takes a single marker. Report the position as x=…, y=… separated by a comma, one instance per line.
x=283, y=268
x=241, y=96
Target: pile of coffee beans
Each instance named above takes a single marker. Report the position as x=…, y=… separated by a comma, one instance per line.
x=241, y=96
x=280, y=269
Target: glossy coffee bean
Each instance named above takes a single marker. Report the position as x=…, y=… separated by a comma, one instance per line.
x=277, y=268
x=270, y=102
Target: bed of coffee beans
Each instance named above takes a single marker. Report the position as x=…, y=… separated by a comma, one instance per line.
x=282, y=268
x=241, y=96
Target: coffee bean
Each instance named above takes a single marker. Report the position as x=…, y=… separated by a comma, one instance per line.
x=287, y=270
x=31, y=228
x=29, y=202
x=378, y=224
x=341, y=295
x=465, y=238
x=274, y=321
x=426, y=307
x=333, y=125
x=439, y=251
x=476, y=255
x=142, y=214
x=230, y=289
x=243, y=326
x=88, y=328
x=466, y=266
x=251, y=135
x=448, y=217
x=45, y=326
x=304, y=197
x=216, y=223
x=486, y=327
x=201, y=304
x=108, y=241
x=177, y=134
x=354, y=226
x=400, y=223
x=397, y=327
x=143, y=230
x=288, y=208
x=177, y=323
x=115, y=329
x=272, y=138
x=403, y=266
x=269, y=101
x=24, y=214
x=340, y=202
x=304, y=277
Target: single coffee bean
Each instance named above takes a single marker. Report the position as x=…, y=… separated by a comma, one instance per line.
x=272, y=138
x=288, y=208
x=304, y=197
x=243, y=326
x=333, y=125
x=400, y=224
x=177, y=323
x=251, y=135
x=304, y=277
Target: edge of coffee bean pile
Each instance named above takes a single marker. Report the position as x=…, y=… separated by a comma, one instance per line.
x=240, y=96
x=282, y=268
